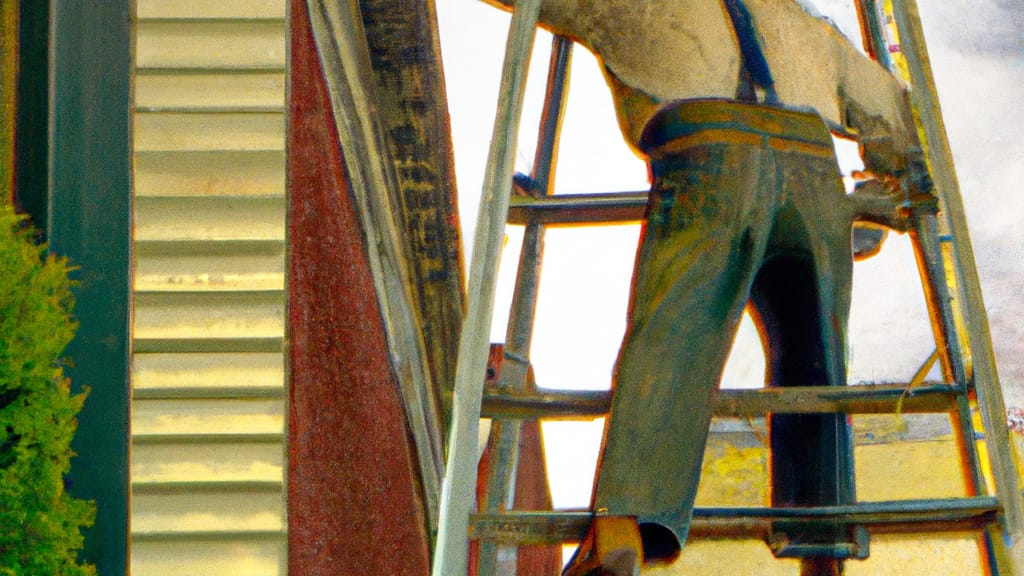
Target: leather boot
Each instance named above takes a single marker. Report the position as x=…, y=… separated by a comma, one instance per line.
x=611, y=547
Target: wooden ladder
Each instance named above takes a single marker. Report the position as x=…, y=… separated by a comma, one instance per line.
x=940, y=243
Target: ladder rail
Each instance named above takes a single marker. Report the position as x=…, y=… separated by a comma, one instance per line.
x=505, y=434
x=973, y=367
x=984, y=375
x=458, y=488
x=928, y=252
x=872, y=37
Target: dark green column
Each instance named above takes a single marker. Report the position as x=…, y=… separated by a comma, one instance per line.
x=90, y=223
x=8, y=80
x=31, y=147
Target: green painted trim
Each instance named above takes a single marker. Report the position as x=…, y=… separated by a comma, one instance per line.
x=8, y=95
x=31, y=145
x=90, y=223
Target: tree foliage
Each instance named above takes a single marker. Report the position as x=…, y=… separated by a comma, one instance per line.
x=40, y=524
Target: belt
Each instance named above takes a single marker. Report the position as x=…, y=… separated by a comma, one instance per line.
x=689, y=123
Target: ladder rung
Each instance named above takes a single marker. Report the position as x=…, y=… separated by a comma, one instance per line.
x=548, y=405
x=918, y=516
x=578, y=208
x=859, y=399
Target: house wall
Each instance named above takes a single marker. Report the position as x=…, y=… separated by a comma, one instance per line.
x=208, y=366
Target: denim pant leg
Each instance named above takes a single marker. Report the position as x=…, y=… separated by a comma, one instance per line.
x=706, y=231
x=802, y=294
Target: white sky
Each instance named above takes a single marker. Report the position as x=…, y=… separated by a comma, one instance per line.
x=978, y=56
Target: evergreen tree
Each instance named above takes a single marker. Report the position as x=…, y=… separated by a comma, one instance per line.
x=40, y=524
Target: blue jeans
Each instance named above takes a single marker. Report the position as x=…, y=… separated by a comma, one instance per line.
x=747, y=205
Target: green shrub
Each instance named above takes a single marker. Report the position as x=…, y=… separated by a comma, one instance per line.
x=40, y=525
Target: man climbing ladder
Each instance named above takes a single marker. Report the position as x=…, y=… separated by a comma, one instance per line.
x=732, y=103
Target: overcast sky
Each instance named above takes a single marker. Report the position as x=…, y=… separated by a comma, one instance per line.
x=978, y=56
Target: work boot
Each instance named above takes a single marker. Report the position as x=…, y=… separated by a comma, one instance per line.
x=612, y=547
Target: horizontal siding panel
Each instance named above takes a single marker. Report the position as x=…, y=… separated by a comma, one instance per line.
x=209, y=273
x=217, y=556
x=210, y=173
x=182, y=132
x=169, y=418
x=209, y=316
x=209, y=91
x=219, y=218
x=216, y=44
x=210, y=462
x=154, y=372
x=216, y=511
x=191, y=9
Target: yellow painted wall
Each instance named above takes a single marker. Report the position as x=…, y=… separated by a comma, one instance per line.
x=887, y=468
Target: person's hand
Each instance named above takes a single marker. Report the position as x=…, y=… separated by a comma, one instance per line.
x=903, y=172
x=916, y=177
x=890, y=198
x=881, y=157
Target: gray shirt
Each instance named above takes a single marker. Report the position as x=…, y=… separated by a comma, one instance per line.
x=656, y=51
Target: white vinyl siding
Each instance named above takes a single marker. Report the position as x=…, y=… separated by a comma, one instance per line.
x=208, y=417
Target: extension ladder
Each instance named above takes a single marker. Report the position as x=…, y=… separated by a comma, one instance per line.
x=946, y=264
